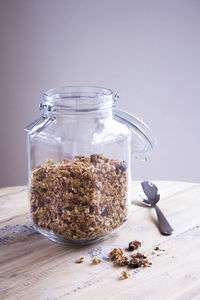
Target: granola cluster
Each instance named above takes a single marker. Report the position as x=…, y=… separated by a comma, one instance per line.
x=136, y=260
x=134, y=245
x=79, y=199
x=117, y=255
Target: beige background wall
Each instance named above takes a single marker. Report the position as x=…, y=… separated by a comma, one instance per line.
x=148, y=51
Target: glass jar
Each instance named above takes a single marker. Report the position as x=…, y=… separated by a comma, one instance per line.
x=79, y=161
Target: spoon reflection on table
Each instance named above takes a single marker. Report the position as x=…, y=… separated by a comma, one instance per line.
x=150, y=195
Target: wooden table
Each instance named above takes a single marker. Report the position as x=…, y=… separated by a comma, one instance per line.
x=32, y=267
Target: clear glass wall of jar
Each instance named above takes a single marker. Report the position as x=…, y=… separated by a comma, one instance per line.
x=79, y=156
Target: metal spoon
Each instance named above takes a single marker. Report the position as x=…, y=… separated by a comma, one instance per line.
x=149, y=193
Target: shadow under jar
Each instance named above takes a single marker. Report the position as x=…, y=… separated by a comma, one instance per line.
x=79, y=159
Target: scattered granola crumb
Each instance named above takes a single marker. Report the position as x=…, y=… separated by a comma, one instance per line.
x=139, y=260
x=158, y=254
x=80, y=260
x=136, y=260
x=135, y=263
x=153, y=252
x=157, y=248
x=125, y=275
x=96, y=260
x=139, y=255
x=121, y=261
x=134, y=245
x=146, y=263
x=117, y=255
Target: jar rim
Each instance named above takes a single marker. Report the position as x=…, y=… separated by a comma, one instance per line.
x=79, y=98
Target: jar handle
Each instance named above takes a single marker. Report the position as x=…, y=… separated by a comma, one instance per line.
x=38, y=125
x=43, y=121
x=142, y=132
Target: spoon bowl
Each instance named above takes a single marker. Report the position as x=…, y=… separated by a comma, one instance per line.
x=148, y=202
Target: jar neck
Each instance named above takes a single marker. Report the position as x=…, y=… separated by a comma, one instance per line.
x=78, y=100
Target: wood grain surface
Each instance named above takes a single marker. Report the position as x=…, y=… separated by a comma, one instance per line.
x=32, y=267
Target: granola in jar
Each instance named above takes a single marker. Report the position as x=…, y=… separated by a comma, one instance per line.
x=80, y=199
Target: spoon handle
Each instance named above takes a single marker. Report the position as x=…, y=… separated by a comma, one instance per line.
x=164, y=225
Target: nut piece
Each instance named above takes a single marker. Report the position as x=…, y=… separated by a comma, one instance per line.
x=134, y=245
x=80, y=260
x=125, y=275
x=117, y=255
x=96, y=260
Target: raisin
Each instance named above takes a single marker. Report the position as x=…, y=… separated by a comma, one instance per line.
x=94, y=158
x=69, y=208
x=104, y=212
x=123, y=167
